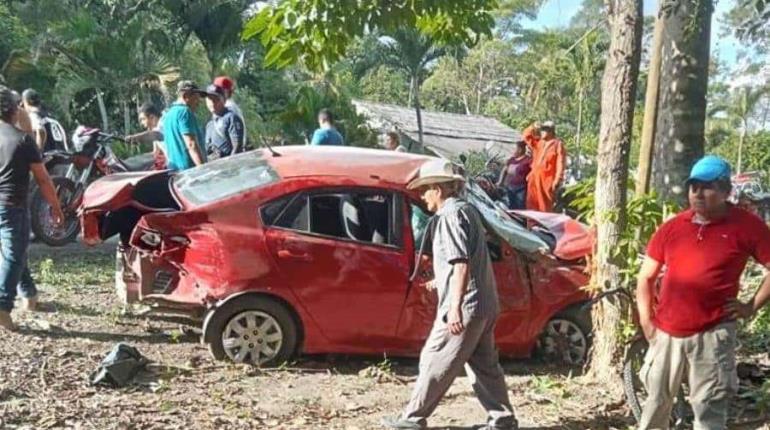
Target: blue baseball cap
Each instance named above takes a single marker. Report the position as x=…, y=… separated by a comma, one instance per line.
x=710, y=168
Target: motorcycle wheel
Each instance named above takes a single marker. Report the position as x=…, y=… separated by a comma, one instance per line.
x=681, y=414
x=42, y=221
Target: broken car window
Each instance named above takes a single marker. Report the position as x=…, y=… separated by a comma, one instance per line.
x=362, y=216
x=224, y=178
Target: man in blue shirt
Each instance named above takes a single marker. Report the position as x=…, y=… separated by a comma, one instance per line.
x=326, y=134
x=182, y=135
x=224, y=132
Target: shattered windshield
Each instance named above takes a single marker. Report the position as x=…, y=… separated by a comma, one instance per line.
x=224, y=178
x=518, y=236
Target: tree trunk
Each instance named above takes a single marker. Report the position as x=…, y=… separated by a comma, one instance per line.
x=679, y=128
x=416, y=90
x=126, y=117
x=578, y=172
x=650, y=110
x=102, y=110
x=741, y=141
x=617, y=117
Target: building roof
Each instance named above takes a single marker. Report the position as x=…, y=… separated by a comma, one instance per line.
x=447, y=134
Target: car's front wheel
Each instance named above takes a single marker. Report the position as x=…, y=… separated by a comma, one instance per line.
x=251, y=329
x=567, y=336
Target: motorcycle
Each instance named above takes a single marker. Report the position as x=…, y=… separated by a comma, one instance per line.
x=91, y=160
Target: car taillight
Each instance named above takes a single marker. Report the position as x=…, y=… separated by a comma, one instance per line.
x=151, y=239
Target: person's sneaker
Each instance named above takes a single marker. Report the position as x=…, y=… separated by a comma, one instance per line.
x=401, y=424
x=29, y=304
x=513, y=426
x=6, y=321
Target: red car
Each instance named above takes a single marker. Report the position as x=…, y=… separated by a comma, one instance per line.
x=314, y=250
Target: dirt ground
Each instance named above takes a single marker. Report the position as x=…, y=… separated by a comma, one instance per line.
x=45, y=369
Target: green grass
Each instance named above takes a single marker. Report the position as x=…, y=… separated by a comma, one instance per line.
x=74, y=271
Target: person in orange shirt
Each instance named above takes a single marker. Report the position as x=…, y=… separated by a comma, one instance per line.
x=548, y=162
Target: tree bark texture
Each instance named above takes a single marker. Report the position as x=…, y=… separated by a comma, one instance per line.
x=617, y=116
x=679, y=130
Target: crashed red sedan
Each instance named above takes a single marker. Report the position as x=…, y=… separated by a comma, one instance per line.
x=314, y=250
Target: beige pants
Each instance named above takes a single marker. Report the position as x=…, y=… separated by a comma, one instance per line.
x=708, y=360
x=443, y=358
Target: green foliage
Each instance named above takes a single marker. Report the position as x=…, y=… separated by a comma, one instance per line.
x=385, y=85
x=644, y=214
x=317, y=34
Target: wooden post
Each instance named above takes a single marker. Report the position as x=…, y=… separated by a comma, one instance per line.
x=650, y=111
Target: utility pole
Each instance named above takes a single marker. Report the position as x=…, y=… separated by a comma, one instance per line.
x=650, y=111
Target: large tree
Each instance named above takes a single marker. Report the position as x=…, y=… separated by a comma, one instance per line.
x=617, y=113
x=317, y=34
x=682, y=94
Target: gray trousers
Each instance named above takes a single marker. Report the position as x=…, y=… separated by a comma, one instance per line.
x=441, y=361
x=708, y=359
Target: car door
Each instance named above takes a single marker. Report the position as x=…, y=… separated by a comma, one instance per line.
x=338, y=250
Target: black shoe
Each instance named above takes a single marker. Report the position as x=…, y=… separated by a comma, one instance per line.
x=401, y=424
x=512, y=426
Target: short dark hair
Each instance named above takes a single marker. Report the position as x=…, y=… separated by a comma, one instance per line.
x=9, y=103
x=32, y=97
x=149, y=108
x=393, y=135
x=326, y=115
x=521, y=144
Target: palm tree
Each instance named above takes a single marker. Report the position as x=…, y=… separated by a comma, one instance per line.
x=739, y=108
x=412, y=52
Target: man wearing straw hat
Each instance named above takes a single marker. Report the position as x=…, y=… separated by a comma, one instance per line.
x=463, y=332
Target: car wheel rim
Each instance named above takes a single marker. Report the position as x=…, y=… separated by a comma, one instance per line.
x=565, y=340
x=252, y=337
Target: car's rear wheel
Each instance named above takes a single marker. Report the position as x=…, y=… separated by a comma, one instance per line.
x=251, y=329
x=566, y=337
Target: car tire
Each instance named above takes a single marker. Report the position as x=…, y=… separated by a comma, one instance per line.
x=251, y=329
x=571, y=328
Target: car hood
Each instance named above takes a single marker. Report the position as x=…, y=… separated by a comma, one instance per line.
x=573, y=238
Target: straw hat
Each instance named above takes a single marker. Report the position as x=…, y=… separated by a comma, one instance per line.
x=435, y=172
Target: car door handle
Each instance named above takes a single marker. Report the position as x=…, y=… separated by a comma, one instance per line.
x=285, y=253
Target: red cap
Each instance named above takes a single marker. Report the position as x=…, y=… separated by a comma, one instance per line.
x=224, y=82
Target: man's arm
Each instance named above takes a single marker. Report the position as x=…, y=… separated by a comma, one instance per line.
x=149, y=136
x=47, y=189
x=458, y=283
x=530, y=136
x=192, y=148
x=645, y=294
x=236, y=134
x=40, y=138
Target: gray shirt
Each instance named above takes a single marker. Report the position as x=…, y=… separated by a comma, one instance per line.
x=459, y=236
x=224, y=134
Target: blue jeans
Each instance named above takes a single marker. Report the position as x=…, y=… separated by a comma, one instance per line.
x=517, y=197
x=14, y=241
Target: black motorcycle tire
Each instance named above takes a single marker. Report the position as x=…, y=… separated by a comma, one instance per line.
x=38, y=208
x=632, y=386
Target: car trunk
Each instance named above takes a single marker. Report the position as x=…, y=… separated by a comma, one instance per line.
x=113, y=205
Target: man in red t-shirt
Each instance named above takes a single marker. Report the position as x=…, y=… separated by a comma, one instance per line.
x=692, y=326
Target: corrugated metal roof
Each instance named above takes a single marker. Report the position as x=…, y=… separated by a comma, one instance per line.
x=447, y=134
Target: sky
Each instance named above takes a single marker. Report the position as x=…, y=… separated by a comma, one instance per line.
x=557, y=13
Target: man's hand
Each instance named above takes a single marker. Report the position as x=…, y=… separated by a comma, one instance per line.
x=58, y=216
x=455, y=320
x=430, y=285
x=648, y=328
x=739, y=310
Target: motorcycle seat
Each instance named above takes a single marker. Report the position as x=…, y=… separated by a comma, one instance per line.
x=139, y=163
